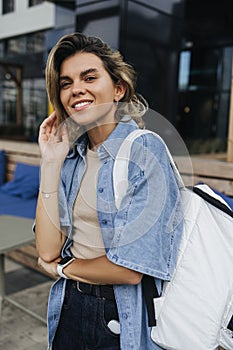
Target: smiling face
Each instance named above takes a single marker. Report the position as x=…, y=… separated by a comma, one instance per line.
x=87, y=91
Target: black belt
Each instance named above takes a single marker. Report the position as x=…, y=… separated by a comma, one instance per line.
x=99, y=291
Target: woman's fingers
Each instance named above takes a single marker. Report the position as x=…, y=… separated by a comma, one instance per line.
x=53, y=138
x=48, y=127
x=52, y=130
x=47, y=124
x=49, y=120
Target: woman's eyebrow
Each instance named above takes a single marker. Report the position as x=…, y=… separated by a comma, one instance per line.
x=64, y=77
x=88, y=71
x=82, y=74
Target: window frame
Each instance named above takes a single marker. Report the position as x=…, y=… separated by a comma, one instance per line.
x=8, y=6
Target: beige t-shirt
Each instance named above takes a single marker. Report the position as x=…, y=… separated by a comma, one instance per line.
x=87, y=237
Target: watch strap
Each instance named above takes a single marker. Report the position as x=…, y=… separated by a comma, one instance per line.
x=61, y=266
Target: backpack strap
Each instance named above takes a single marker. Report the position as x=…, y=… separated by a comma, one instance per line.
x=230, y=324
x=120, y=185
x=212, y=198
x=150, y=291
x=120, y=168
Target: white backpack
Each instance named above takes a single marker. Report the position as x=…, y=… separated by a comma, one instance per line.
x=196, y=307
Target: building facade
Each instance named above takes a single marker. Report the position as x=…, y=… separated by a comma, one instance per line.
x=28, y=30
x=181, y=49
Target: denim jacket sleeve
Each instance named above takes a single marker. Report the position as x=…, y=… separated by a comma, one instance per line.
x=148, y=225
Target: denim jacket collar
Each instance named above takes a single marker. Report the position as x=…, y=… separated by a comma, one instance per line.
x=108, y=148
x=111, y=145
x=79, y=147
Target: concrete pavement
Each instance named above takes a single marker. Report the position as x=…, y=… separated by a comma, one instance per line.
x=19, y=330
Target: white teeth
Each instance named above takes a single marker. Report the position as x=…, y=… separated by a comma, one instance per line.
x=81, y=104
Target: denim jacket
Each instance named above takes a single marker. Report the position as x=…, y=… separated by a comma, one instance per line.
x=143, y=235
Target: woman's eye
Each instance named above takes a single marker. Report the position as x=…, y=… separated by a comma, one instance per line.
x=64, y=84
x=90, y=78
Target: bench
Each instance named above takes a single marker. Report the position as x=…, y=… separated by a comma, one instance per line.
x=12, y=225
x=23, y=152
x=216, y=173
x=27, y=153
x=16, y=237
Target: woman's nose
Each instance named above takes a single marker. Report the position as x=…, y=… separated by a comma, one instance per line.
x=78, y=89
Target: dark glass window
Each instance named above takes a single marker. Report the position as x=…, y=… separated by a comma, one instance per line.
x=204, y=98
x=35, y=2
x=20, y=45
x=34, y=107
x=8, y=100
x=35, y=42
x=16, y=46
x=8, y=6
x=1, y=48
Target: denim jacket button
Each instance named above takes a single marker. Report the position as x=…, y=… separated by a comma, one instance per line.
x=101, y=190
x=104, y=222
x=124, y=316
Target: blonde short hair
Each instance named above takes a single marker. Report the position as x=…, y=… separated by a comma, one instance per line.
x=131, y=104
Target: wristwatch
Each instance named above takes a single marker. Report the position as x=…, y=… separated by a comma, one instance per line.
x=62, y=264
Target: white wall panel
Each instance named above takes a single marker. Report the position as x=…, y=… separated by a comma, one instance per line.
x=27, y=19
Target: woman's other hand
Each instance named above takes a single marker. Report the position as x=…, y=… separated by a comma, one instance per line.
x=53, y=139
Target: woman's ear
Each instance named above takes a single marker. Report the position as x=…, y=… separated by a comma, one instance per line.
x=120, y=89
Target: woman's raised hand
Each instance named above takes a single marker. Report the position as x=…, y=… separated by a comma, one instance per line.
x=53, y=139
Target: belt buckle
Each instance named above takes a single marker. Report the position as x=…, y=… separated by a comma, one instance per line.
x=78, y=287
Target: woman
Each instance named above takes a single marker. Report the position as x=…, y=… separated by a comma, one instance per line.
x=97, y=301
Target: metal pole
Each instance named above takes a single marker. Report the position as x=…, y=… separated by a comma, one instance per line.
x=2, y=282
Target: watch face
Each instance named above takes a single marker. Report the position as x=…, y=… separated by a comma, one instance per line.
x=65, y=260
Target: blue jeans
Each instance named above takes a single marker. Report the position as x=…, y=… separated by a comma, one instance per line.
x=84, y=322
